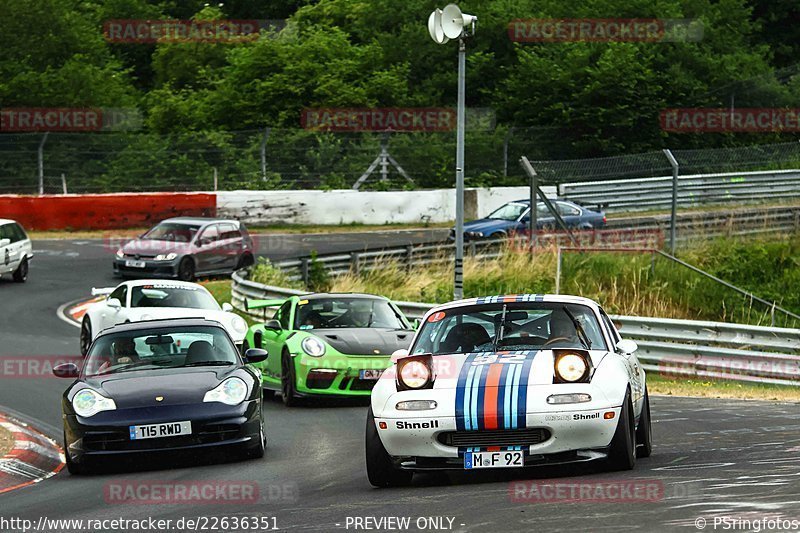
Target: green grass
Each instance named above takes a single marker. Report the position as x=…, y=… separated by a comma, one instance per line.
x=666, y=386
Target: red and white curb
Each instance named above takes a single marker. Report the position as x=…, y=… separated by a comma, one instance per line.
x=34, y=457
x=72, y=313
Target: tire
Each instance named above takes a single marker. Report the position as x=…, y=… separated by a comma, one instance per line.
x=288, y=381
x=21, y=273
x=622, y=452
x=257, y=451
x=381, y=471
x=186, y=269
x=246, y=260
x=86, y=335
x=644, y=433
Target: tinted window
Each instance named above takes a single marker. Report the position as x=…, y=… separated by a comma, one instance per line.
x=347, y=312
x=6, y=233
x=171, y=231
x=209, y=235
x=165, y=295
x=21, y=235
x=160, y=348
x=228, y=231
x=121, y=294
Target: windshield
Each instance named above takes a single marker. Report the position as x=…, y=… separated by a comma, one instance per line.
x=171, y=231
x=160, y=348
x=347, y=313
x=509, y=212
x=510, y=326
x=165, y=295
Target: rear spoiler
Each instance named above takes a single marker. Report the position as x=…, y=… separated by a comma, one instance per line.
x=102, y=291
x=260, y=304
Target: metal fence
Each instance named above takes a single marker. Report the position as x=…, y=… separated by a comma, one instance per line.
x=696, y=190
x=668, y=347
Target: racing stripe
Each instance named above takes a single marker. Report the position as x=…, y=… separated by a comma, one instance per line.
x=515, y=396
x=479, y=414
x=472, y=408
x=522, y=403
x=506, y=380
x=462, y=392
x=491, y=408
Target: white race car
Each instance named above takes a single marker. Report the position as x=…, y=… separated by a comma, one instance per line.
x=508, y=382
x=147, y=299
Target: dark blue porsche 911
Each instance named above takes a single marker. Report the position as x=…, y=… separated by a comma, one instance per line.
x=515, y=216
x=162, y=385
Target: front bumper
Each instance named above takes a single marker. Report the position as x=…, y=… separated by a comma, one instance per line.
x=337, y=375
x=107, y=434
x=152, y=268
x=432, y=439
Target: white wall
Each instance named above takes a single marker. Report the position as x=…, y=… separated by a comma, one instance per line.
x=360, y=207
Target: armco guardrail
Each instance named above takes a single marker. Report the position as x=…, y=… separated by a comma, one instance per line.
x=688, y=348
x=693, y=190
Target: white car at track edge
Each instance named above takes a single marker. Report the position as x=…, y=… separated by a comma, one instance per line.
x=509, y=382
x=151, y=299
x=15, y=250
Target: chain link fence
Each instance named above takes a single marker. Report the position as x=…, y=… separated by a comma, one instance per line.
x=276, y=159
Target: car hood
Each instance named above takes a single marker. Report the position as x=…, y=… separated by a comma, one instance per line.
x=365, y=341
x=495, y=369
x=182, y=386
x=485, y=225
x=150, y=248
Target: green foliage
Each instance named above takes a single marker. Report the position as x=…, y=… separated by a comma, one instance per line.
x=318, y=278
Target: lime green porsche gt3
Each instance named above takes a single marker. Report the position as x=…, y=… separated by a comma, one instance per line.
x=327, y=344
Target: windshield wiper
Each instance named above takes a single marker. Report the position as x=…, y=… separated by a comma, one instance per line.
x=211, y=363
x=582, y=336
x=498, y=334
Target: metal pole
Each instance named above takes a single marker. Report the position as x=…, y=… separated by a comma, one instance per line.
x=558, y=270
x=41, y=162
x=674, y=214
x=264, y=153
x=64, y=183
x=505, y=150
x=215, y=179
x=458, y=285
x=534, y=215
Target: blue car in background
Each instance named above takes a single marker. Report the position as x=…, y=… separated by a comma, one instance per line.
x=515, y=216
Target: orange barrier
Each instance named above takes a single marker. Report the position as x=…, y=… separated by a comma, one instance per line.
x=103, y=211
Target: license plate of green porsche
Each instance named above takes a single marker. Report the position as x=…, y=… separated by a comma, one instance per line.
x=370, y=374
x=155, y=431
x=493, y=459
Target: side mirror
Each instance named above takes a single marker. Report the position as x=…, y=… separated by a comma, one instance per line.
x=227, y=307
x=113, y=303
x=273, y=325
x=66, y=370
x=397, y=354
x=255, y=355
x=4, y=242
x=627, y=346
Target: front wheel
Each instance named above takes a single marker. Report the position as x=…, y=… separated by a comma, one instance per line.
x=21, y=273
x=622, y=452
x=288, y=381
x=257, y=451
x=86, y=335
x=186, y=270
x=644, y=433
x=381, y=471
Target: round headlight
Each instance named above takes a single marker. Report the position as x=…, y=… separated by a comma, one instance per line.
x=88, y=403
x=232, y=391
x=239, y=325
x=313, y=346
x=415, y=374
x=571, y=367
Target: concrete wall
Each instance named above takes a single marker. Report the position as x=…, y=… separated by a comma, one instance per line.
x=365, y=207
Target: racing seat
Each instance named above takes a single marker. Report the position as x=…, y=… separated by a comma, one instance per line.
x=464, y=338
x=200, y=352
x=562, y=331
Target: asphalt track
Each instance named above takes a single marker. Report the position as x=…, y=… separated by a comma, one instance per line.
x=711, y=457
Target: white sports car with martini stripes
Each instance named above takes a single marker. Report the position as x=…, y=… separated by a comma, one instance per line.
x=509, y=382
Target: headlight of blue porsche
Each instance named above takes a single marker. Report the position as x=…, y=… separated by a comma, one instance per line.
x=88, y=403
x=232, y=391
x=313, y=346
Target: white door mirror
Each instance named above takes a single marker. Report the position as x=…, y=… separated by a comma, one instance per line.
x=113, y=303
x=627, y=346
x=227, y=307
x=4, y=242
